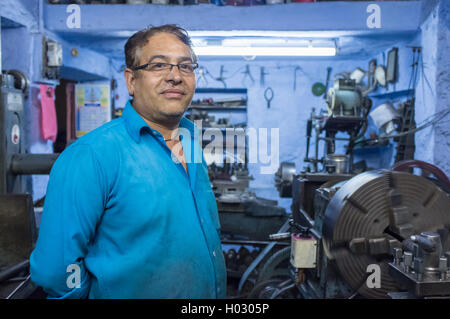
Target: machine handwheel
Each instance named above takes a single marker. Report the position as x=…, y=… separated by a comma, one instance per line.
x=442, y=179
x=276, y=266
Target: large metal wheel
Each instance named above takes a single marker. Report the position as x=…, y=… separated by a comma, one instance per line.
x=374, y=212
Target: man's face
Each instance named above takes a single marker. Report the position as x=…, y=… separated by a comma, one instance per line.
x=162, y=96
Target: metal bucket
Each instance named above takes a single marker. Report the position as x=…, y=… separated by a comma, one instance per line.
x=336, y=164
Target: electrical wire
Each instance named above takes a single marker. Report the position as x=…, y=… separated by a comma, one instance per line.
x=422, y=126
x=424, y=77
x=413, y=69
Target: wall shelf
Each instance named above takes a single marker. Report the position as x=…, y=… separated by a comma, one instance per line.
x=218, y=108
x=221, y=90
x=233, y=113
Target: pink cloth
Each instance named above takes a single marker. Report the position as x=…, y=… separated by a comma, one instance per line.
x=49, y=123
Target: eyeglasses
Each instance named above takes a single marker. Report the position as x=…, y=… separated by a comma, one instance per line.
x=159, y=67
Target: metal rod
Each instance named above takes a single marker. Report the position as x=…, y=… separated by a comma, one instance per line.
x=253, y=242
x=11, y=295
x=32, y=164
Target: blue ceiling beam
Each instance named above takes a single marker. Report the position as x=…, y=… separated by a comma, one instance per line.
x=320, y=16
x=21, y=12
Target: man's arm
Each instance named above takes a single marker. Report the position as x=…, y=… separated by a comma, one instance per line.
x=74, y=203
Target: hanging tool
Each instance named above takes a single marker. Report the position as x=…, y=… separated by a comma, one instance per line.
x=414, y=67
x=268, y=95
x=370, y=74
x=221, y=78
x=319, y=88
x=326, y=83
x=298, y=68
x=201, y=75
x=308, y=132
x=247, y=74
x=262, y=75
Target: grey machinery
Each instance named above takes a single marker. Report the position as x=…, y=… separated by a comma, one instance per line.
x=348, y=220
x=17, y=219
x=390, y=218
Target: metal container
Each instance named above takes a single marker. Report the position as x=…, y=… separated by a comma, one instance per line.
x=336, y=164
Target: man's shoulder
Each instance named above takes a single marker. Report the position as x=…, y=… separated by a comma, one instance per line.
x=109, y=130
x=103, y=140
x=98, y=150
x=104, y=135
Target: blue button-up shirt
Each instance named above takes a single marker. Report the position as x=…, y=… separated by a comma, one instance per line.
x=130, y=218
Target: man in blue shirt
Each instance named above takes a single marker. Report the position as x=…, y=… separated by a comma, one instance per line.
x=129, y=210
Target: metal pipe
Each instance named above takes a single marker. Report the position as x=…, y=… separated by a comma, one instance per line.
x=280, y=236
x=32, y=164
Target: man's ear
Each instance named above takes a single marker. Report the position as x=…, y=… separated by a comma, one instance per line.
x=130, y=80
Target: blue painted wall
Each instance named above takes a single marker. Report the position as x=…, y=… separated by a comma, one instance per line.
x=22, y=34
x=442, y=137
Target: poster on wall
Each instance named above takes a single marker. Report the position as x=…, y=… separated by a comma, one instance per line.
x=92, y=105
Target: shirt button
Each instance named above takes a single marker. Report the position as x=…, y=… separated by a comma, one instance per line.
x=214, y=253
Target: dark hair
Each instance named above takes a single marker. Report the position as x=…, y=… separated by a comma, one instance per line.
x=140, y=38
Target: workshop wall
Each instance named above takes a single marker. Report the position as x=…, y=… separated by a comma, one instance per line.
x=442, y=129
x=431, y=84
x=22, y=38
x=120, y=94
x=400, y=92
x=289, y=109
x=426, y=87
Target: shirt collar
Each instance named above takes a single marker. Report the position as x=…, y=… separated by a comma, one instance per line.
x=135, y=123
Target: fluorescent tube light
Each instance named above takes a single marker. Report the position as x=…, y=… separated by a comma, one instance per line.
x=250, y=33
x=264, y=51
